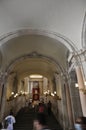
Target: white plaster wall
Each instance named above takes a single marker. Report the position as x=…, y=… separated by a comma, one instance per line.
x=64, y=17
x=57, y=110
x=9, y=89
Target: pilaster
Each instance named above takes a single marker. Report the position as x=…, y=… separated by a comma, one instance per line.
x=81, y=88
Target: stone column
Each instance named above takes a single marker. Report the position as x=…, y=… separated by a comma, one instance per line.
x=65, y=120
x=45, y=83
x=3, y=95
x=81, y=87
x=58, y=84
x=69, y=107
x=3, y=102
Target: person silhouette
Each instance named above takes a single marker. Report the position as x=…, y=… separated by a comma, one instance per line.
x=40, y=122
x=10, y=119
x=49, y=106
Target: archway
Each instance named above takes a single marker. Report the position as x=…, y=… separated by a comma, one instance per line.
x=39, y=47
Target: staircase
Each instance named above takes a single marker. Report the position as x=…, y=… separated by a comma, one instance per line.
x=52, y=123
x=24, y=120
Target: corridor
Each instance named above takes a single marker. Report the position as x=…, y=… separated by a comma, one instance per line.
x=43, y=58
x=25, y=117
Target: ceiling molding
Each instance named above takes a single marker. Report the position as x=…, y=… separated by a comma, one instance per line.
x=64, y=40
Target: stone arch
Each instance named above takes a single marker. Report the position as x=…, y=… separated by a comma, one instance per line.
x=64, y=40
x=34, y=55
x=83, y=37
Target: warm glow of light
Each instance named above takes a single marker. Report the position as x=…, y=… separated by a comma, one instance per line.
x=15, y=95
x=48, y=91
x=76, y=85
x=12, y=93
x=26, y=93
x=45, y=92
x=54, y=92
x=85, y=83
x=36, y=76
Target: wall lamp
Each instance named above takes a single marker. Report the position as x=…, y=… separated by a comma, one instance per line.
x=81, y=89
x=54, y=95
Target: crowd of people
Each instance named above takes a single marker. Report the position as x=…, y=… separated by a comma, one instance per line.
x=43, y=108
x=40, y=120
x=39, y=123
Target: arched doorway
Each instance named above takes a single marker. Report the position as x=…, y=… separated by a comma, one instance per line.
x=27, y=52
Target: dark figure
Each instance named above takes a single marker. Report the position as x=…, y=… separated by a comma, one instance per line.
x=5, y=125
x=39, y=122
x=80, y=123
x=0, y=125
x=11, y=112
x=30, y=105
x=36, y=108
x=49, y=106
x=41, y=108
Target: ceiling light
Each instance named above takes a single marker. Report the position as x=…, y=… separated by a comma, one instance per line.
x=36, y=76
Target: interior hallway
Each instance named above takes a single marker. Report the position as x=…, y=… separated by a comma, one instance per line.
x=43, y=57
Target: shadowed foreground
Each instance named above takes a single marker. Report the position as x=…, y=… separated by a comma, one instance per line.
x=24, y=120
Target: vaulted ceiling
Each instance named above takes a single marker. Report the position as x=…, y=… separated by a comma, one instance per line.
x=35, y=54
x=60, y=16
